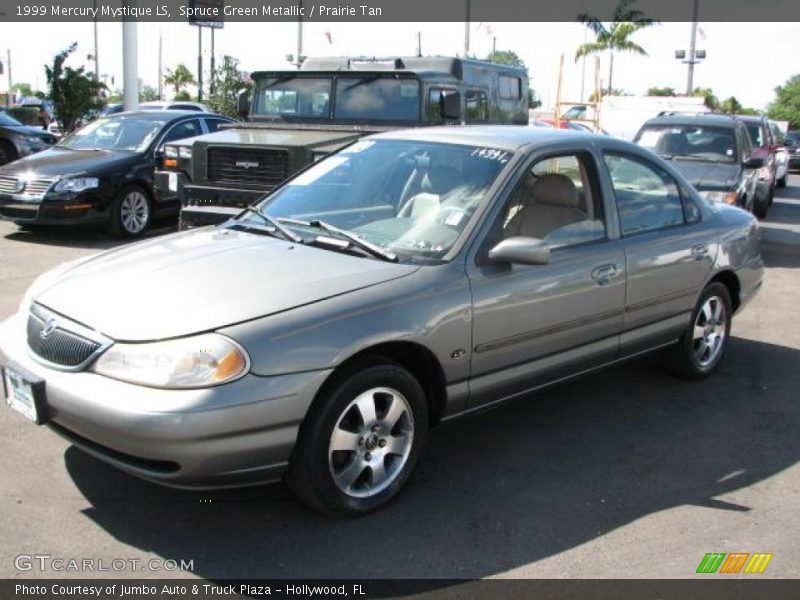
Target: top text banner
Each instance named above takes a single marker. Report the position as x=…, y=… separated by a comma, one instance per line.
x=34, y=11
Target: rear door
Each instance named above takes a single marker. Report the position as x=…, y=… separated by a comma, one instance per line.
x=667, y=250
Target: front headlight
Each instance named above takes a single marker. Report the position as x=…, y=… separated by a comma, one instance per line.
x=33, y=140
x=185, y=152
x=78, y=184
x=170, y=152
x=194, y=362
x=724, y=197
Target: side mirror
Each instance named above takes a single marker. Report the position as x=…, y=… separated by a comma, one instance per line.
x=159, y=152
x=450, y=104
x=521, y=250
x=754, y=162
x=243, y=103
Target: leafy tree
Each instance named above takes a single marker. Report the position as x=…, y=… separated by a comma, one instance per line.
x=614, y=36
x=179, y=78
x=612, y=92
x=23, y=89
x=229, y=82
x=148, y=93
x=786, y=106
x=509, y=57
x=661, y=91
x=183, y=95
x=74, y=93
x=731, y=106
x=711, y=101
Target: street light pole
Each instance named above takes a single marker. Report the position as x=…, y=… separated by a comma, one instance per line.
x=130, y=80
x=466, y=33
x=96, y=57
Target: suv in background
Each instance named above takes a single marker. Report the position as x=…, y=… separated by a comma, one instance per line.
x=781, y=154
x=713, y=152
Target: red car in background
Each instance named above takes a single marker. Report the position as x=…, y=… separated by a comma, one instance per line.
x=767, y=147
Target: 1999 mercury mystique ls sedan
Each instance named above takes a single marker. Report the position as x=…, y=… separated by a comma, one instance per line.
x=412, y=277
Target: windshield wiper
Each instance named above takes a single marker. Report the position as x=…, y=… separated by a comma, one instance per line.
x=363, y=81
x=285, y=232
x=369, y=247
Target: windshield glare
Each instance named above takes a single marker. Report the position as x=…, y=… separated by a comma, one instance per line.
x=692, y=142
x=120, y=133
x=294, y=97
x=408, y=197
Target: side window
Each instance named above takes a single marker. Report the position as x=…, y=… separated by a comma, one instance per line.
x=433, y=108
x=744, y=143
x=556, y=201
x=477, y=106
x=213, y=124
x=510, y=88
x=647, y=197
x=183, y=130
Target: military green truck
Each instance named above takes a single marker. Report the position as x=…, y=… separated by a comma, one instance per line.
x=296, y=117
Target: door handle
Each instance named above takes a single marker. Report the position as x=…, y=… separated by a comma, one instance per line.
x=604, y=273
x=699, y=251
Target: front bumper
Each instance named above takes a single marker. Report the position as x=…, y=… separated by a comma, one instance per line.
x=83, y=208
x=235, y=434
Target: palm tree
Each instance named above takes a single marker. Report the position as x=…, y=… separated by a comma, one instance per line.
x=614, y=37
x=179, y=78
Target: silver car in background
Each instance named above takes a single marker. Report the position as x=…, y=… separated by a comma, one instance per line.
x=411, y=278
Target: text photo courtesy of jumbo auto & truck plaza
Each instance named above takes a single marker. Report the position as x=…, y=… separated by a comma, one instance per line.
x=463, y=299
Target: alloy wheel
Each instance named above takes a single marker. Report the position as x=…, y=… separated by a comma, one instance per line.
x=134, y=212
x=710, y=329
x=371, y=442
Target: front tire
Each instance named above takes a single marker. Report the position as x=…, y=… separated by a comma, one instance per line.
x=705, y=340
x=131, y=212
x=782, y=182
x=360, y=440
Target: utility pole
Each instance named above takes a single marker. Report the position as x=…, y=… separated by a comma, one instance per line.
x=692, y=44
x=213, y=72
x=494, y=48
x=160, y=67
x=200, y=63
x=419, y=43
x=130, y=67
x=466, y=33
x=583, y=65
x=96, y=56
x=10, y=81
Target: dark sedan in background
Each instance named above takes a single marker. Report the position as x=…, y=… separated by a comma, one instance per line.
x=793, y=146
x=100, y=174
x=18, y=140
x=714, y=153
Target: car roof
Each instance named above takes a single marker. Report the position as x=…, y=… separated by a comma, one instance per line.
x=156, y=115
x=503, y=137
x=751, y=118
x=701, y=119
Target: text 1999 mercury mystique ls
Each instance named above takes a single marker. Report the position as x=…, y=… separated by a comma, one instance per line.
x=410, y=278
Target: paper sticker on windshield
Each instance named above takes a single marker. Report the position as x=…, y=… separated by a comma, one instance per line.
x=358, y=147
x=492, y=154
x=318, y=170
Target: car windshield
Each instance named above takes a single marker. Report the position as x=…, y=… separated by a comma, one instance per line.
x=411, y=198
x=117, y=133
x=293, y=96
x=8, y=121
x=690, y=142
x=377, y=98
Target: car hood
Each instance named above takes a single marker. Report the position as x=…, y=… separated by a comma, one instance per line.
x=202, y=280
x=706, y=175
x=27, y=130
x=59, y=162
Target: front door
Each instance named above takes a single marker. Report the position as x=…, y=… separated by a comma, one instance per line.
x=536, y=323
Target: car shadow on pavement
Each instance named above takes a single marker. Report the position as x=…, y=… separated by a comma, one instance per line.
x=495, y=491
x=81, y=237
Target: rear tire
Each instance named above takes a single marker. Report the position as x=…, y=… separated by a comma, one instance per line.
x=7, y=152
x=705, y=340
x=761, y=207
x=131, y=212
x=361, y=439
x=782, y=182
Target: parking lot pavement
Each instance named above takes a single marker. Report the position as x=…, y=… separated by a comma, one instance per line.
x=626, y=473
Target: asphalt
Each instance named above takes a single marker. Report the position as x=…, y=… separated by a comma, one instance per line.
x=626, y=473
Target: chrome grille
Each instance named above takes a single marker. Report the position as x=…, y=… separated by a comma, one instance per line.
x=33, y=187
x=51, y=339
x=263, y=168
